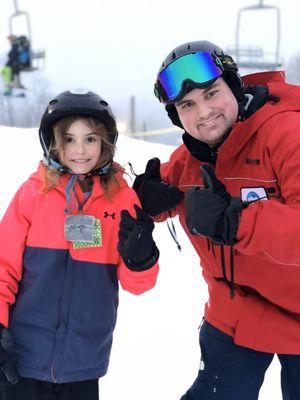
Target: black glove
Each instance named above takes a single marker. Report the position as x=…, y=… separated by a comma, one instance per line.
x=136, y=244
x=155, y=196
x=8, y=372
x=211, y=211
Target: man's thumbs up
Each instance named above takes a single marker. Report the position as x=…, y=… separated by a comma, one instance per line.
x=155, y=195
x=211, y=211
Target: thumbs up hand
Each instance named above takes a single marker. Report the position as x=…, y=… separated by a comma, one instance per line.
x=211, y=211
x=155, y=195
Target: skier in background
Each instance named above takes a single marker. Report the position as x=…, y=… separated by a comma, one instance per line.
x=18, y=59
x=235, y=185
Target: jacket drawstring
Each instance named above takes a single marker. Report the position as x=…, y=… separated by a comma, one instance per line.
x=213, y=248
x=230, y=282
x=131, y=169
x=231, y=272
x=223, y=264
x=208, y=243
x=172, y=231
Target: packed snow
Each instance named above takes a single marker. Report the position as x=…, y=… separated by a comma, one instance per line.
x=155, y=352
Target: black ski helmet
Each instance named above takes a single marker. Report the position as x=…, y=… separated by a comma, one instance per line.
x=68, y=103
x=225, y=63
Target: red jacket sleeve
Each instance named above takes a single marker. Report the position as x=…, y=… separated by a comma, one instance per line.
x=270, y=228
x=135, y=282
x=14, y=228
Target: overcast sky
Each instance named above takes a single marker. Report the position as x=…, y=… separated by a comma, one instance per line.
x=116, y=47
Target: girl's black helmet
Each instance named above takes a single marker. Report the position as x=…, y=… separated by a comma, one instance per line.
x=67, y=103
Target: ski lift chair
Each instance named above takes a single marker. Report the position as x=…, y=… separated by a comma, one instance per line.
x=37, y=57
x=254, y=57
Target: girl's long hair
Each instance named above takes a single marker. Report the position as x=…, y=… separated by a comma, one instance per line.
x=108, y=181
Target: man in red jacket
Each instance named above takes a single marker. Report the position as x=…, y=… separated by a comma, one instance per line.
x=235, y=185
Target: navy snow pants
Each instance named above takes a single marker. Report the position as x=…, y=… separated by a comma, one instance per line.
x=34, y=389
x=231, y=372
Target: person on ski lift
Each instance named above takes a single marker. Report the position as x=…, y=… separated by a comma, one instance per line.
x=235, y=185
x=13, y=54
x=13, y=61
x=18, y=59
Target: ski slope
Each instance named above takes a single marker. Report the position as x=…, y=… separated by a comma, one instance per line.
x=155, y=352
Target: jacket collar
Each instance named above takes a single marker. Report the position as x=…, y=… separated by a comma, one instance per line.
x=289, y=96
x=200, y=150
x=64, y=179
x=263, y=78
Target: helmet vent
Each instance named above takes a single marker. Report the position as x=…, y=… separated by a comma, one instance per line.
x=103, y=103
x=189, y=47
x=174, y=55
x=54, y=101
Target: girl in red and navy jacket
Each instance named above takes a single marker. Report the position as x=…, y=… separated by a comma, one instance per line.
x=72, y=231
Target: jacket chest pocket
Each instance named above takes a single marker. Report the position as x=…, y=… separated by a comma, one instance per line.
x=253, y=189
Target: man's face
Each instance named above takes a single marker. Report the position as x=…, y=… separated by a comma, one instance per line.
x=207, y=114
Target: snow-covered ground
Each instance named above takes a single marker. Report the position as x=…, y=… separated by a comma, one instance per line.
x=155, y=353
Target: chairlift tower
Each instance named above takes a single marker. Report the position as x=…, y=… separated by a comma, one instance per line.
x=254, y=57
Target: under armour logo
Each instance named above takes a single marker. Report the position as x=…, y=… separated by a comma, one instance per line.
x=106, y=215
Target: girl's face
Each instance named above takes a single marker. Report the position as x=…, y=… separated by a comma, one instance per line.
x=82, y=148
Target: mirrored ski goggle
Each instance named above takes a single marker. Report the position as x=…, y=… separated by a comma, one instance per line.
x=198, y=68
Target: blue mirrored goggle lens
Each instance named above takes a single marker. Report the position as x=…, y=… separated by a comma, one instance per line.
x=197, y=67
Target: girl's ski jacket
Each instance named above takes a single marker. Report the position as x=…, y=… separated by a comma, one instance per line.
x=60, y=302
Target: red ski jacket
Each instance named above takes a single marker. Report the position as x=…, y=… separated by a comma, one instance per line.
x=259, y=160
x=60, y=302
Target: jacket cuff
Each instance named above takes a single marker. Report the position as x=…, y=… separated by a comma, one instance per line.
x=143, y=265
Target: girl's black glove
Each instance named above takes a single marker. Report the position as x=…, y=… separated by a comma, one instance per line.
x=211, y=211
x=8, y=372
x=136, y=244
x=155, y=196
